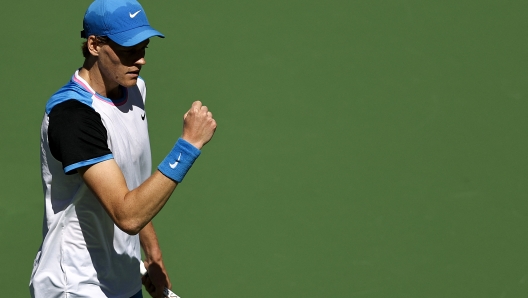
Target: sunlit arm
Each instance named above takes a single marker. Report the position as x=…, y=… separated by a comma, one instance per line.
x=131, y=210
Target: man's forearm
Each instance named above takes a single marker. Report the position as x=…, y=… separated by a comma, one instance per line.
x=157, y=278
x=150, y=244
x=131, y=210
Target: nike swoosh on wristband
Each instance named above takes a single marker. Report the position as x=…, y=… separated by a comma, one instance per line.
x=133, y=15
x=173, y=165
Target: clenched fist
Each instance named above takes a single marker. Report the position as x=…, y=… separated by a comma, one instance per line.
x=198, y=125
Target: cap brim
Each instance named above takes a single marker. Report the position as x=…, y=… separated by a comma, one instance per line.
x=133, y=37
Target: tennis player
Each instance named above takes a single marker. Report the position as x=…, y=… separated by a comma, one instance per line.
x=99, y=190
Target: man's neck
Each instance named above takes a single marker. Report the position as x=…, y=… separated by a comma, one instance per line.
x=92, y=75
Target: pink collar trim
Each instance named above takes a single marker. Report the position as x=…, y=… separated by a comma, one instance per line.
x=117, y=102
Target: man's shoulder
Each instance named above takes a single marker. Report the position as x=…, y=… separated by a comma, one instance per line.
x=73, y=115
x=71, y=106
x=69, y=92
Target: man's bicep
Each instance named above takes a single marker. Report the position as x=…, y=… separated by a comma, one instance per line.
x=107, y=182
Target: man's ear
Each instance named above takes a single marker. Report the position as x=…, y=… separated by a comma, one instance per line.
x=93, y=45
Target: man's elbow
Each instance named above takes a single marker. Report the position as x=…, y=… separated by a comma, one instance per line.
x=130, y=226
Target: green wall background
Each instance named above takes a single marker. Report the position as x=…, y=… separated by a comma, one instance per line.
x=364, y=148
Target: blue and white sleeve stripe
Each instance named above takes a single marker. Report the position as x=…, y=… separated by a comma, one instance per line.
x=89, y=162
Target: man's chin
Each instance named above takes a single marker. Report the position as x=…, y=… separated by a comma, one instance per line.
x=131, y=82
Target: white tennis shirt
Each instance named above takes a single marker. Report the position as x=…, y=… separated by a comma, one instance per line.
x=83, y=253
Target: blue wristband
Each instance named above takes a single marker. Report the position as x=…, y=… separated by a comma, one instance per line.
x=179, y=160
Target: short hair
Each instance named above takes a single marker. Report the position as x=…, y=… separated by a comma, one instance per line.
x=84, y=46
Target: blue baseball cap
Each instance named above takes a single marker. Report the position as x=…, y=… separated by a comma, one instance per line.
x=123, y=21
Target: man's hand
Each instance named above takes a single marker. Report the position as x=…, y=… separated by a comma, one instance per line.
x=156, y=279
x=198, y=125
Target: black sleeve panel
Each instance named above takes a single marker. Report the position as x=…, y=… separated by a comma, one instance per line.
x=76, y=133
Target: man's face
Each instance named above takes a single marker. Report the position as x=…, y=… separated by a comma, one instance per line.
x=122, y=64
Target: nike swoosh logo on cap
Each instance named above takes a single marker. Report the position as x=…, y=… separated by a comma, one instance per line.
x=133, y=15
